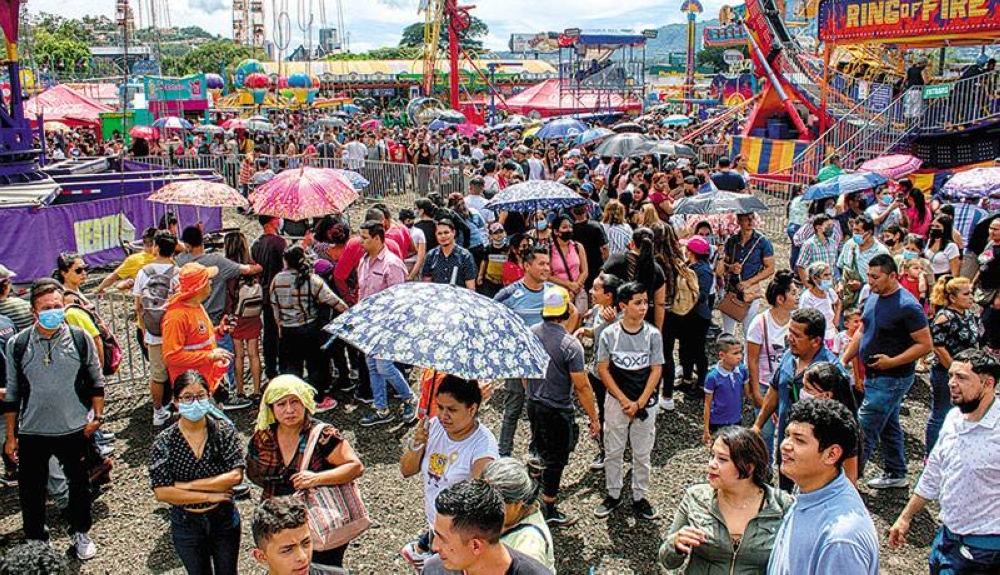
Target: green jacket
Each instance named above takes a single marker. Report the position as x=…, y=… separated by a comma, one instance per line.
x=700, y=509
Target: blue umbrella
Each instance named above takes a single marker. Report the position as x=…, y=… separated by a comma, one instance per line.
x=439, y=124
x=358, y=182
x=843, y=184
x=561, y=128
x=443, y=327
x=350, y=108
x=676, y=120
x=172, y=122
x=535, y=195
x=592, y=135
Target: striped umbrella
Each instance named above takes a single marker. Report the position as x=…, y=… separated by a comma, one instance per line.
x=305, y=192
x=209, y=129
x=172, y=123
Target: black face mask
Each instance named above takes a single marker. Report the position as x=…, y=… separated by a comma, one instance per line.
x=935, y=233
x=566, y=236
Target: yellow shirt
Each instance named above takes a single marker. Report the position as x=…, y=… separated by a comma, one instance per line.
x=80, y=319
x=132, y=264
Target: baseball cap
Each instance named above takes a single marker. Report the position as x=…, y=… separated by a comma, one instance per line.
x=698, y=245
x=6, y=273
x=555, y=301
x=496, y=227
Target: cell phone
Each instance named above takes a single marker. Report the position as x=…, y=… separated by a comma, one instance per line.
x=870, y=359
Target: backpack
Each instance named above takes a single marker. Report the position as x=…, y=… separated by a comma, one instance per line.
x=154, y=296
x=686, y=291
x=249, y=300
x=83, y=381
x=112, y=349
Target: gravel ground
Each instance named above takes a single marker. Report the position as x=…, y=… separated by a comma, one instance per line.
x=133, y=535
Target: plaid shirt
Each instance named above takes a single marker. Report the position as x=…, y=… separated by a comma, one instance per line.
x=815, y=251
x=295, y=307
x=266, y=466
x=966, y=218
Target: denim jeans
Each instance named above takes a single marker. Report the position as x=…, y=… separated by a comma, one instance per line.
x=940, y=406
x=767, y=431
x=513, y=406
x=226, y=342
x=879, y=419
x=953, y=554
x=793, y=256
x=381, y=370
x=207, y=543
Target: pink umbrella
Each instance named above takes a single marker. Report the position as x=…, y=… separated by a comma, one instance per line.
x=467, y=129
x=144, y=132
x=371, y=125
x=306, y=192
x=235, y=124
x=893, y=166
x=199, y=193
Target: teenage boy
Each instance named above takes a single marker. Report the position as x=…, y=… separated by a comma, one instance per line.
x=725, y=386
x=282, y=543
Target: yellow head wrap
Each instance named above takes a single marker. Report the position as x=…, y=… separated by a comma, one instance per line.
x=279, y=387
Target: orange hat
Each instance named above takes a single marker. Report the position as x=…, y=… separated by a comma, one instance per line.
x=192, y=278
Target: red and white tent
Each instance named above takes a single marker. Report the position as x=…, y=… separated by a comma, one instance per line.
x=63, y=104
x=545, y=98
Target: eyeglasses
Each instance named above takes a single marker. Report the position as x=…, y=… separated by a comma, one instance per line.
x=80, y=270
x=192, y=398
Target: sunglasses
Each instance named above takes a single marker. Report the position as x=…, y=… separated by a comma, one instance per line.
x=81, y=270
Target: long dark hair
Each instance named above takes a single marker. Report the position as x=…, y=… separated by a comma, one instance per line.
x=947, y=225
x=829, y=377
x=919, y=204
x=64, y=263
x=236, y=248
x=295, y=259
x=644, y=271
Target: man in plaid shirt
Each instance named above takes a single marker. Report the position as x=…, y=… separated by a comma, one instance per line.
x=821, y=247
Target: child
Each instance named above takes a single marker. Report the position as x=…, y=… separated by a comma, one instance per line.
x=821, y=295
x=725, y=386
x=914, y=280
x=855, y=369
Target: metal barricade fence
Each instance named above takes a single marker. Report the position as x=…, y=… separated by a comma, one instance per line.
x=777, y=195
x=710, y=153
x=117, y=310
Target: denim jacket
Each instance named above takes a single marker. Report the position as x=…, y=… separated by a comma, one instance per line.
x=783, y=380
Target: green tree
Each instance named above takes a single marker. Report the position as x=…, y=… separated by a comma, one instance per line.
x=60, y=53
x=383, y=53
x=209, y=57
x=712, y=57
x=469, y=39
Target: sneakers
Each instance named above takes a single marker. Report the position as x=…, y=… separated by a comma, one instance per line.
x=643, y=509
x=84, y=546
x=410, y=411
x=887, y=481
x=327, y=404
x=161, y=417
x=598, y=463
x=105, y=449
x=364, y=400
x=105, y=436
x=667, y=403
x=414, y=556
x=237, y=402
x=377, y=417
x=607, y=506
x=555, y=517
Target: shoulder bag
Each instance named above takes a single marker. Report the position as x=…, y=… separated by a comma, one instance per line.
x=336, y=513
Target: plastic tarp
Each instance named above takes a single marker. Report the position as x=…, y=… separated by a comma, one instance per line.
x=65, y=105
x=545, y=98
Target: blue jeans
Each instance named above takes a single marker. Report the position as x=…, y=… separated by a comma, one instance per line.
x=207, y=543
x=793, y=256
x=380, y=370
x=767, y=431
x=940, y=406
x=226, y=342
x=953, y=554
x=879, y=419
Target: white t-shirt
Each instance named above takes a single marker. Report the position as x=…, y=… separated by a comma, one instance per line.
x=356, y=153
x=491, y=186
x=446, y=462
x=536, y=169
x=141, y=279
x=941, y=261
x=776, y=343
x=824, y=304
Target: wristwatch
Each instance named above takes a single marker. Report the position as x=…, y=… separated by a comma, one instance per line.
x=99, y=418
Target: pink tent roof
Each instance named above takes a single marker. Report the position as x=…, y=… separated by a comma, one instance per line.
x=65, y=105
x=545, y=99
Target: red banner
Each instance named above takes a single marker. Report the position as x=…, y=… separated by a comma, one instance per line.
x=875, y=20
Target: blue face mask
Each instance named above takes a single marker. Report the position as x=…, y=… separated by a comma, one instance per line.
x=825, y=285
x=858, y=238
x=541, y=225
x=51, y=318
x=887, y=199
x=195, y=410
x=908, y=255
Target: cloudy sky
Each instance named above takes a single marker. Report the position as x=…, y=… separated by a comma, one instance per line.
x=373, y=23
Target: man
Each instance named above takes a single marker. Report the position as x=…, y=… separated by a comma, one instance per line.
x=53, y=380
x=748, y=260
x=380, y=269
x=887, y=210
x=449, y=263
x=355, y=152
x=593, y=238
x=161, y=266
x=968, y=214
x=806, y=334
x=215, y=305
x=855, y=256
x=892, y=337
x=282, y=543
x=267, y=251
x=726, y=179
x=467, y=527
x=550, y=402
x=536, y=168
x=521, y=157
x=820, y=247
x=189, y=336
x=961, y=473
x=491, y=185
x=828, y=530
x=525, y=298
x=630, y=362
x=129, y=268
x=474, y=200
x=16, y=309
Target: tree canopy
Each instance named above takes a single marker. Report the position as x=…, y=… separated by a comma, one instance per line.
x=712, y=56
x=209, y=57
x=469, y=39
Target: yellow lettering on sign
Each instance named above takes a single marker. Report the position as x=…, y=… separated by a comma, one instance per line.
x=892, y=12
x=928, y=9
x=874, y=14
x=957, y=10
x=96, y=235
x=853, y=11
x=978, y=9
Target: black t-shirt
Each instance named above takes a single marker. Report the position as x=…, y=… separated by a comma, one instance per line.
x=592, y=236
x=515, y=223
x=981, y=235
x=430, y=232
x=520, y=564
x=267, y=250
x=624, y=267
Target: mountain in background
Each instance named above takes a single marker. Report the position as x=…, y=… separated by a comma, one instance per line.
x=673, y=38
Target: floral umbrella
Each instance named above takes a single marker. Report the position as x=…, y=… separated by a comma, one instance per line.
x=199, y=193
x=443, y=327
x=371, y=125
x=892, y=166
x=56, y=126
x=305, y=192
x=208, y=129
x=535, y=195
x=358, y=181
x=720, y=202
x=172, y=123
x=974, y=183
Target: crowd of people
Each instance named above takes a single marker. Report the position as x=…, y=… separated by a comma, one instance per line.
x=628, y=299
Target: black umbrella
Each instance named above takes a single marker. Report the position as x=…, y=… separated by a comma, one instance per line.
x=720, y=202
x=620, y=145
x=628, y=128
x=666, y=148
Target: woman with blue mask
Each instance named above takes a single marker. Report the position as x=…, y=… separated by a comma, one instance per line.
x=194, y=466
x=821, y=295
x=541, y=230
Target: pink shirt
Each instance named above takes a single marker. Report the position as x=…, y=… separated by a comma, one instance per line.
x=572, y=262
x=379, y=273
x=920, y=228
x=348, y=262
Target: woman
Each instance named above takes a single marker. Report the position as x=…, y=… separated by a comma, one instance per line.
x=278, y=444
x=941, y=252
x=987, y=283
x=819, y=294
x=825, y=380
x=552, y=163
x=697, y=321
x=646, y=216
x=512, y=269
x=71, y=271
x=670, y=256
x=728, y=525
x=194, y=465
x=619, y=233
x=541, y=232
x=296, y=296
x=476, y=224
x=423, y=158
x=569, y=262
x=450, y=447
x=955, y=328
x=246, y=334
x=524, y=528
x=893, y=237
x=639, y=264
x=767, y=342
x=917, y=214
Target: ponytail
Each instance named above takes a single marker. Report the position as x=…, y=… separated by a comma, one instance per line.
x=947, y=285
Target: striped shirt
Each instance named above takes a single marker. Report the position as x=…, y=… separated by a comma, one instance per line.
x=813, y=250
x=18, y=311
x=966, y=218
x=295, y=307
x=619, y=237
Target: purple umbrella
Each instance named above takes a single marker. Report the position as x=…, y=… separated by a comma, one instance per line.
x=974, y=183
